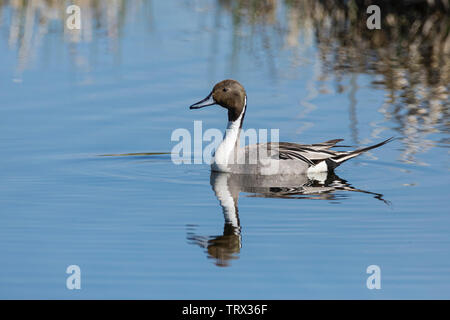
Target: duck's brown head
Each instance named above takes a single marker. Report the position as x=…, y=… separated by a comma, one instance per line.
x=229, y=94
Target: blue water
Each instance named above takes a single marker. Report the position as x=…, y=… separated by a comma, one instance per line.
x=126, y=221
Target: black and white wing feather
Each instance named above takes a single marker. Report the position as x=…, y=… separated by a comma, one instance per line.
x=313, y=154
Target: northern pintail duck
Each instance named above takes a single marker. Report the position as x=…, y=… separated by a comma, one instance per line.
x=272, y=158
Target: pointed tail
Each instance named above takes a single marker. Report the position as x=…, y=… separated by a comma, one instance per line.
x=348, y=155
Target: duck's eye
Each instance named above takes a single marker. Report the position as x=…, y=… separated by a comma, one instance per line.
x=224, y=89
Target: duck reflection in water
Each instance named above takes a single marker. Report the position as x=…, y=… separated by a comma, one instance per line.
x=227, y=186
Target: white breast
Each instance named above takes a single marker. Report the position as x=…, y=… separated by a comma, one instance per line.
x=225, y=151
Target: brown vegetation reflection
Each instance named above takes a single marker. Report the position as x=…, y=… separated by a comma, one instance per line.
x=409, y=58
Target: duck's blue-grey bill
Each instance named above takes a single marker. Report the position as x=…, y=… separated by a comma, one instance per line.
x=208, y=101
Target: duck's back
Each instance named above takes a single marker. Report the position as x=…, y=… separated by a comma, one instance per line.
x=264, y=159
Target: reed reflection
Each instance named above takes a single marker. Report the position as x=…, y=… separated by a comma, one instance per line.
x=227, y=187
x=30, y=25
x=409, y=58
